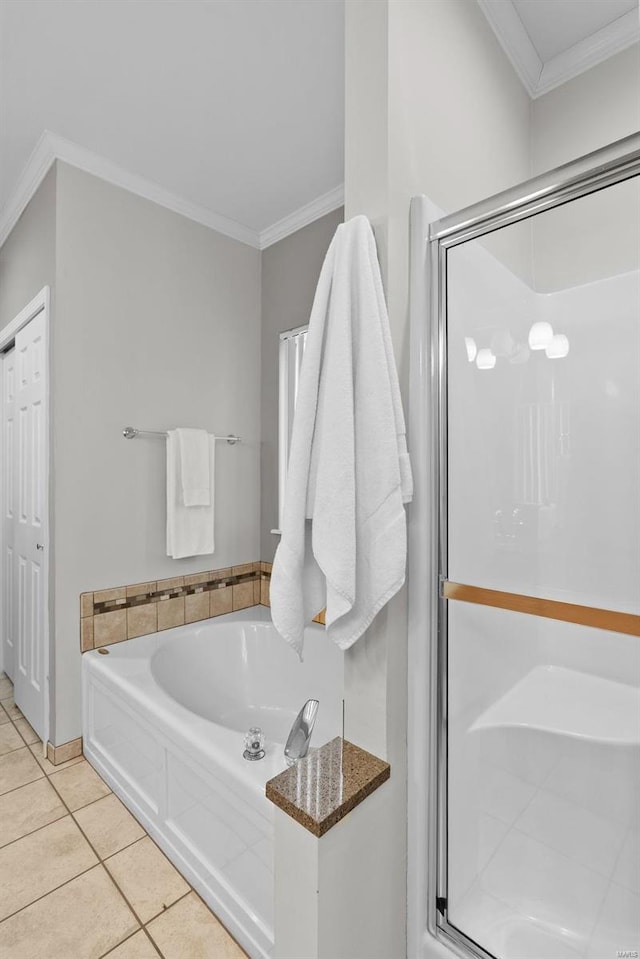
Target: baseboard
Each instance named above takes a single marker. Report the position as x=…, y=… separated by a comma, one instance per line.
x=64, y=752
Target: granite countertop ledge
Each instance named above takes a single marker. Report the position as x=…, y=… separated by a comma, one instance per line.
x=327, y=784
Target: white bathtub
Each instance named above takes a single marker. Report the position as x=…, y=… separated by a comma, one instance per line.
x=164, y=718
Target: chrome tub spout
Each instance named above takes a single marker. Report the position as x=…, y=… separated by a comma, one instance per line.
x=300, y=736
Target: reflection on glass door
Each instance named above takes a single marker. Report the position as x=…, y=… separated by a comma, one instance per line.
x=543, y=573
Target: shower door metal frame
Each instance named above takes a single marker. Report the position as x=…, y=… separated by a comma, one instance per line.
x=428, y=559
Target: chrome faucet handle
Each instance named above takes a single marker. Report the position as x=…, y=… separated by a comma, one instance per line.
x=299, y=738
x=254, y=744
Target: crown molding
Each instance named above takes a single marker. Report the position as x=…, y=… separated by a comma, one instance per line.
x=34, y=172
x=514, y=40
x=539, y=77
x=612, y=39
x=51, y=147
x=99, y=166
x=302, y=217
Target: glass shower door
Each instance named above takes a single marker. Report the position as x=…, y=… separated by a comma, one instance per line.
x=541, y=574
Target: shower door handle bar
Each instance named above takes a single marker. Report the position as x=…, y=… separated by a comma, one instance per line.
x=609, y=619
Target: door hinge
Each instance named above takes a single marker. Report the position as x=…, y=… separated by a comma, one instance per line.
x=441, y=905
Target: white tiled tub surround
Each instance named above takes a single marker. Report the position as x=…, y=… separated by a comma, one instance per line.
x=164, y=718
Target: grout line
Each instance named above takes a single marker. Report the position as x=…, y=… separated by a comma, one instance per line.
x=152, y=941
x=111, y=855
x=15, y=749
x=104, y=955
x=33, y=831
x=56, y=769
x=101, y=861
x=15, y=788
x=191, y=889
x=179, y=899
x=119, y=890
x=115, y=881
x=55, y=889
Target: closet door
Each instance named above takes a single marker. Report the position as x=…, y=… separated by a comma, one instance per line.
x=8, y=510
x=29, y=521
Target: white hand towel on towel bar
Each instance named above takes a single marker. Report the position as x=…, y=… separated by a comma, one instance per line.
x=343, y=542
x=189, y=528
x=194, y=467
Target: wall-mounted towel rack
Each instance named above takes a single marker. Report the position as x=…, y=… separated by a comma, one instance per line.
x=130, y=433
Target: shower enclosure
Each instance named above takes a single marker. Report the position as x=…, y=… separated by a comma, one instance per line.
x=525, y=569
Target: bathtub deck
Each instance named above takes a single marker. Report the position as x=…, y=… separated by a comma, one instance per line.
x=78, y=875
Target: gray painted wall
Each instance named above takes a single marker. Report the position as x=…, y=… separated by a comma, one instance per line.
x=455, y=127
x=157, y=324
x=290, y=271
x=28, y=257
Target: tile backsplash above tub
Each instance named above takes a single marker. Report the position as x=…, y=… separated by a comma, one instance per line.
x=124, y=612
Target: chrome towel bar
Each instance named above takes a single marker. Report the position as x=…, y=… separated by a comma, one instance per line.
x=130, y=433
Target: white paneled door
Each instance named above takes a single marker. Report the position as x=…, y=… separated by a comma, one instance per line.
x=8, y=508
x=25, y=540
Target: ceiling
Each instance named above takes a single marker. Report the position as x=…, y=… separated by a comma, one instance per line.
x=556, y=25
x=231, y=108
x=552, y=41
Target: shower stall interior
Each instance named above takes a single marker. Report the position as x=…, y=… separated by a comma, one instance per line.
x=525, y=569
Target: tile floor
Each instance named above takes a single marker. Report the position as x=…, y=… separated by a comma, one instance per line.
x=79, y=877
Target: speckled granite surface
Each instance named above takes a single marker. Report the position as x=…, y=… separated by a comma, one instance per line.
x=321, y=789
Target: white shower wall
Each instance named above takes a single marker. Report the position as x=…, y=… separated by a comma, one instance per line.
x=544, y=469
x=550, y=438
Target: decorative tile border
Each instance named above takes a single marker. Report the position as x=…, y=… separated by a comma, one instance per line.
x=114, y=615
x=124, y=612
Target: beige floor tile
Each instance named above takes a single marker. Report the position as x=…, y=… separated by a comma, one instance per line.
x=137, y=947
x=11, y=709
x=48, y=767
x=6, y=686
x=3, y=716
x=38, y=863
x=29, y=808
x=147, y=878
x=108, y=826
x=10, y=739
x=79, y=785
x=17, y=769
x=81, y=920
x=27, y=731
x=189, y=930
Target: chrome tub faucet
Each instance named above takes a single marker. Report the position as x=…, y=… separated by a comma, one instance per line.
x=300, y=736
